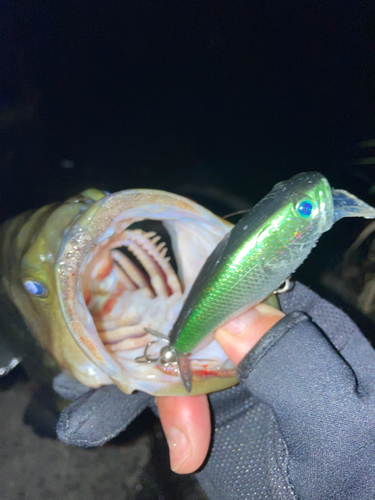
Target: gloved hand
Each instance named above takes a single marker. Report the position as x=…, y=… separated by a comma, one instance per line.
x=96, y=415
x=300, y=424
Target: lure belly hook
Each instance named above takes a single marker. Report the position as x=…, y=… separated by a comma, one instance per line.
x=170, y=356
x=265, y=247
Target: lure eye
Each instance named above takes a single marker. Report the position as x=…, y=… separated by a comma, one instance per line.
x=36, y=288
x=304, y=208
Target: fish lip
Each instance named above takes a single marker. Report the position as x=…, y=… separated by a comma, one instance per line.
x=93, y=227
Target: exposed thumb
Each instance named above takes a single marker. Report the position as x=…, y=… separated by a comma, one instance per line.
x=241, y=334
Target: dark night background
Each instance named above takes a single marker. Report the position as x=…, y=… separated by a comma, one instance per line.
x=235, y=94
x=185, y=96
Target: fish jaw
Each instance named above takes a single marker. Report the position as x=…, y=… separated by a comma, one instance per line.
x=94, y=293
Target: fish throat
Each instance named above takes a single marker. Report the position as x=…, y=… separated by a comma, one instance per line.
x=127, y=283
x=119, y=273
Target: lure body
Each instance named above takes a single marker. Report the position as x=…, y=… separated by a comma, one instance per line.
x=256, y=256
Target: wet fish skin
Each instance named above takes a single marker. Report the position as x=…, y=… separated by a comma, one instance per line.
x=45, y=258
x=33, y=326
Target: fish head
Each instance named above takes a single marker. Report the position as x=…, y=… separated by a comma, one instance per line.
x=31, y=284
x=111, y=279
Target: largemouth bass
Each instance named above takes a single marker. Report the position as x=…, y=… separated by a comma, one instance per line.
x=84, y=279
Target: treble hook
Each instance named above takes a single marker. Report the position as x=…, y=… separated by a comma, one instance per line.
x=146, y=358
x=286, y=286
x=169, y=356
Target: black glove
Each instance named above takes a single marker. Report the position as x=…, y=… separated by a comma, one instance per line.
x=299, y=425
x=302, y=422
x=96, y=415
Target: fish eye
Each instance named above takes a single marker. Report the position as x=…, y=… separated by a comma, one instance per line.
x=36, y=288
x=304, y=208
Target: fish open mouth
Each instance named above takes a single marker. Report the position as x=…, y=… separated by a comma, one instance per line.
x=128, y=283
x=128, y=263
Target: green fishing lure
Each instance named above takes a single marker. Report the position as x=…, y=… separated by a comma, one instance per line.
x=256, y=257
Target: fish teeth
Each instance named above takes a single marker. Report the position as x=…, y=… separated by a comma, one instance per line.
x=160, y=246
x=129, y=268
x=156, y=239
x=136, y=232
x=150, y=234
x=153, y=271
x=163, y=253
x=153, y=258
